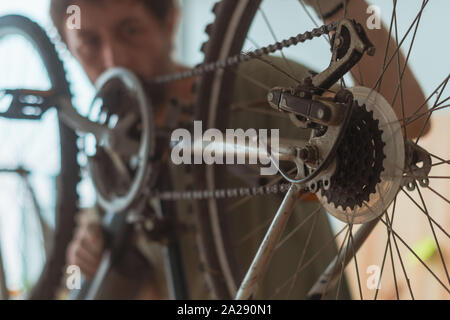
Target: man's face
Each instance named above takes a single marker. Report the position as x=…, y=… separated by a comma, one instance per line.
x=121, y=33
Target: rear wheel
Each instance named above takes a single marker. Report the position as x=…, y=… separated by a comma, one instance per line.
x=231, y=231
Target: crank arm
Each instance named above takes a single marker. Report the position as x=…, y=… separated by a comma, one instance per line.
x=32, y=104
x=27, y=104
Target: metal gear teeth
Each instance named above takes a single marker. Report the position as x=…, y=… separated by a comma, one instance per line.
x=360, y=162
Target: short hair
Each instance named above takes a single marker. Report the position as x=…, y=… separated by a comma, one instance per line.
x=58, y=10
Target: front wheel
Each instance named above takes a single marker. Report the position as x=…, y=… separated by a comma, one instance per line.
x=38, y=163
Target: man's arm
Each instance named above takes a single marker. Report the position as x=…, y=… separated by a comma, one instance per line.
x=371, y=67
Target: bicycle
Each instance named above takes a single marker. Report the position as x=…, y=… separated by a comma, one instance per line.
x=322, y=164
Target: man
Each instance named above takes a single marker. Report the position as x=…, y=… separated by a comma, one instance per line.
x=138, y=35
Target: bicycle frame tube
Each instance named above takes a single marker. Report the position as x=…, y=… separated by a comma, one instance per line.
x=267, y=248
x=286, y=151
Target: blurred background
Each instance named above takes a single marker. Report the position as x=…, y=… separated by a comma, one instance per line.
x=429, y=61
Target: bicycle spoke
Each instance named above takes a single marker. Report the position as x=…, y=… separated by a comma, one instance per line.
x=393, y=266
x=414, y=118
x=437, y=157
x=309, y=14
x=356, y=265
x=400, y=257
x=253, y=233
x=397, y=51
x=309, y=262
x=298, y=227
x=388, y=238
x=417, y=257
x=360, y=80
x=429, y=116
x=344, y=2
x=440, y=163
x=320, y=288
x=254, y=43
x=400, y=73
x=277, y=68
x=415, y=115
x=421, y=209
x=439, y=87
x=388, y=247
x=257, y=83
x=302, y=257
x=398, y=252
x=341, y=275
x=387, y=243
x=388, y=42
x=433, y=231
x=327, y=39
x=438, y=194
x=324, y=293
x=272, y=32
x=267, y=223
x=435, y=177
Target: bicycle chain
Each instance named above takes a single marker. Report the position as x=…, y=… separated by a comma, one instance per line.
x=225, y=193
x=223, y=64
x=244, y=57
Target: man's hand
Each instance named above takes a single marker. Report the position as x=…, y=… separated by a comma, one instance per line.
x=86, y=248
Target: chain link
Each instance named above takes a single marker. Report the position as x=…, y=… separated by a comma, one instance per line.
x=225, y=193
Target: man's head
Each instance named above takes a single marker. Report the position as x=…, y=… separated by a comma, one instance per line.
x=135, y=34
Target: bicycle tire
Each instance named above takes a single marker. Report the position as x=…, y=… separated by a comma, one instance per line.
x=69, y=177
x=213, y=51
